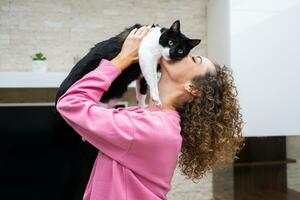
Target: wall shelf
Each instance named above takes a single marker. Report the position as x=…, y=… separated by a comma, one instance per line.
x=34, y=79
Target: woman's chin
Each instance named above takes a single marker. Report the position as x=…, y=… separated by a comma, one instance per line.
x=164, y=62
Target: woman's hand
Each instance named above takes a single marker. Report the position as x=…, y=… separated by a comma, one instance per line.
x=129, y=52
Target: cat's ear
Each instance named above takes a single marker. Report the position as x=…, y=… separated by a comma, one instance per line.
x=194, y=42
x=175, y=26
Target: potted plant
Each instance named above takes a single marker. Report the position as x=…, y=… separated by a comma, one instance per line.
x=39, y=63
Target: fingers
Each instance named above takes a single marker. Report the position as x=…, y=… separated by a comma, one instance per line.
x=145, y=30
x=132, y=32
x=142, y=31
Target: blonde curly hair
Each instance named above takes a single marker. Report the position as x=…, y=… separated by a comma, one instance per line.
x=211, y=124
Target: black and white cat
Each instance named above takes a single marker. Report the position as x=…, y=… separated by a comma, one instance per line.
x=170, y=44
x=167, y=42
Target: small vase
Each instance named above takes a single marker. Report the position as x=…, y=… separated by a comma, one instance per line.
x=39, y=66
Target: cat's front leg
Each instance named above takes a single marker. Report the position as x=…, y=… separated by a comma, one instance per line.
x=153, y=85
x=149, y=71
x=155, y=94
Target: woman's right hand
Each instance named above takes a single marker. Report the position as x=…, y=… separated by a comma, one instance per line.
x=130, y=47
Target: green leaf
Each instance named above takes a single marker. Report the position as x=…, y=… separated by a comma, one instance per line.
x=38, y=56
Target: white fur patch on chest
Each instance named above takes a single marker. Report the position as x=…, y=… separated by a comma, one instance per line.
x=150, y=52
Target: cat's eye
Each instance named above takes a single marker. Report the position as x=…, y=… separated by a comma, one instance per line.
x=180, y=51
x=170, y=42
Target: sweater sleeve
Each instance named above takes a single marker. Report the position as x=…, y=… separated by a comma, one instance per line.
x=109, y=130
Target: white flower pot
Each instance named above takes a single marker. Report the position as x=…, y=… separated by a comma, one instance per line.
x=39, y=66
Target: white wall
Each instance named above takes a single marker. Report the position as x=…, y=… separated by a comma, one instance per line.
x=218, y=31
x=264, y=55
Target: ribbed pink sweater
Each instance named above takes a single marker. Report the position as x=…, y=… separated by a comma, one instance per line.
x=138, y=147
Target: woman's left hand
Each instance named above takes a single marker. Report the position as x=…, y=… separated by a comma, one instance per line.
x=130, y=47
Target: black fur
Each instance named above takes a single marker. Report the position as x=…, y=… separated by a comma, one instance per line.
x=107, y=49
x=179, y=40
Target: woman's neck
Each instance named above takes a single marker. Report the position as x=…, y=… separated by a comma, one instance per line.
x=168, y=92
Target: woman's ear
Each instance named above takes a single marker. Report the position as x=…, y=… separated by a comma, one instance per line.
x=188, y=87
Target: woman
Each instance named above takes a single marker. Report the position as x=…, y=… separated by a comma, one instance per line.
x=139, y=147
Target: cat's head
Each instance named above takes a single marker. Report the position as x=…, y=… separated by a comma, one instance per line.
x=175, y=44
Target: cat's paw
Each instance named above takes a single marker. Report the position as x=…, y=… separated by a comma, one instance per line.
x=157, y=103
x=156, y=100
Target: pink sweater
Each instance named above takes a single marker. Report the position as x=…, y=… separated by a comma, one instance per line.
x=138, y=147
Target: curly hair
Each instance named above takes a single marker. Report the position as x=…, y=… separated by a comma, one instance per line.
x=211, y=124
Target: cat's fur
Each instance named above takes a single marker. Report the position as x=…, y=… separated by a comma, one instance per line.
x=107, y=49
x=110, y=48
x=161, y=42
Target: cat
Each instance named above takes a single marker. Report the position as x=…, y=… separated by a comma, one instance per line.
x=170, y=44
